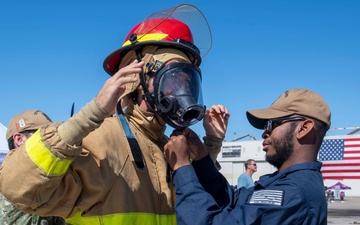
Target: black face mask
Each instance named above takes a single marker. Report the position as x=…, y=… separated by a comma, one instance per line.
x=178, y=95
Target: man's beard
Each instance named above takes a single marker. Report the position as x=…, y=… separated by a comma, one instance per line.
x=284, y=147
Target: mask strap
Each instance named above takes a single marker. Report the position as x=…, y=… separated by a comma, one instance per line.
x=148, y=96
x=137, y=49
x=134, y=145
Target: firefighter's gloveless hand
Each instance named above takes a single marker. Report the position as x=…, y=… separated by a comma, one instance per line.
x=109, y=94
x=216, y=120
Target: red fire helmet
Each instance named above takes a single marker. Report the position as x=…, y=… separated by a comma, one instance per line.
x=167, y=28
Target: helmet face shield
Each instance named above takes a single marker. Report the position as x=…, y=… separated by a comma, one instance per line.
x=199, y=33
x=178, y=94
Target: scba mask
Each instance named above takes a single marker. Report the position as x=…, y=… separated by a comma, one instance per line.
x=178, y=94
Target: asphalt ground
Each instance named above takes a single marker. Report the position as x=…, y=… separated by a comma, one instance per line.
x=344, y=212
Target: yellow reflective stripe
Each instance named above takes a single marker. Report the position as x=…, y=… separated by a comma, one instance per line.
x=148, y=37
x=133, y=218
x=44, y=158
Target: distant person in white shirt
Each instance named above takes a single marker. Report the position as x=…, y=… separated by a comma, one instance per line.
x=245, y=179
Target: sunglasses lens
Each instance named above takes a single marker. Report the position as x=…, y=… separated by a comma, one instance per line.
x=268, y=126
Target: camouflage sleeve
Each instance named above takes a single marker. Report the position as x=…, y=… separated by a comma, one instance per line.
x=11, y=215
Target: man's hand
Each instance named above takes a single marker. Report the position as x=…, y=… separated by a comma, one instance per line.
x=183, y=146
x=216, y=120
x=196, y=147
x=109, y=94
x=177, y=150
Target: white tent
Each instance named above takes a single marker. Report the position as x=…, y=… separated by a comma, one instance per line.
x=3, y=143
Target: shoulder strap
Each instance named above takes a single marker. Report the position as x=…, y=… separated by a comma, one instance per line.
x=134, y=145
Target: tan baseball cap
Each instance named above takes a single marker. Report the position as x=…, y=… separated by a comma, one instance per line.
x=295, y=101
x=27, y=120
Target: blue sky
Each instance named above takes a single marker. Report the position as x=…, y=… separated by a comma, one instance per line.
x=51, y=54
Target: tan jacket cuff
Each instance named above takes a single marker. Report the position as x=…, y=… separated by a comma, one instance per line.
x=213, y=146
x=82, y=123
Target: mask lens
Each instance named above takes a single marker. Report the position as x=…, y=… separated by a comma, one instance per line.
x=181, y=82
x=179, y=95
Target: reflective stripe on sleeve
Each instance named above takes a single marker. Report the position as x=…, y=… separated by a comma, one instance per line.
x=44, y=158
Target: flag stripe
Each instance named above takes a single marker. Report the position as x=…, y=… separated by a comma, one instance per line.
x=332, y=176
x=351, y=158
x=349, y=147
x=354, y=139
x=352, y=151
x=340, y=177
x=340, y=171
x=339, y=164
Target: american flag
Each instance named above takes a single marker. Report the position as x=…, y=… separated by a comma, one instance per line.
x=267, y=197
x=340, y=158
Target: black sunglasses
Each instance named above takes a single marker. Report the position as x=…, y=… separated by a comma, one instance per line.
x=271, y=124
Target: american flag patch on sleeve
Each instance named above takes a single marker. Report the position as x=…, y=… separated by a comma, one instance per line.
x=267, y=197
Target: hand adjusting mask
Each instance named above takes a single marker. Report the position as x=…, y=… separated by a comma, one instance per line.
x=178, y=95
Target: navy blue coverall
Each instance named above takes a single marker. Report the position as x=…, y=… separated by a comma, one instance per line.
x=293, y=196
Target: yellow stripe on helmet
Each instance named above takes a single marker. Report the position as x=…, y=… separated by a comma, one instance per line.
x=148, y=37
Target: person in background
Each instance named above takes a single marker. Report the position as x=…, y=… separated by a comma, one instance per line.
x=327, y=194
x=245, y=179
x=332, y=196
x=20, y=128
x=294, y=128
x=342, y=195
x=106, y=164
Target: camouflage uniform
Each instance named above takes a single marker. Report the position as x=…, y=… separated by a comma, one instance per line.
x=11, y=215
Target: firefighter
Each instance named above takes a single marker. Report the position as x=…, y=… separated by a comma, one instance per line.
x=105, y=165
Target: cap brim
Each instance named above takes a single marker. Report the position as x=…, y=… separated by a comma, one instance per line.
x=258, y=118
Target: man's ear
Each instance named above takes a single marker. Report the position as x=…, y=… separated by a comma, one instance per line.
x=19, y=139
x=305, y=127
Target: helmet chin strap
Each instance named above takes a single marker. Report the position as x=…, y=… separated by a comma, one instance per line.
x=145, y=88
x=138, y=50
